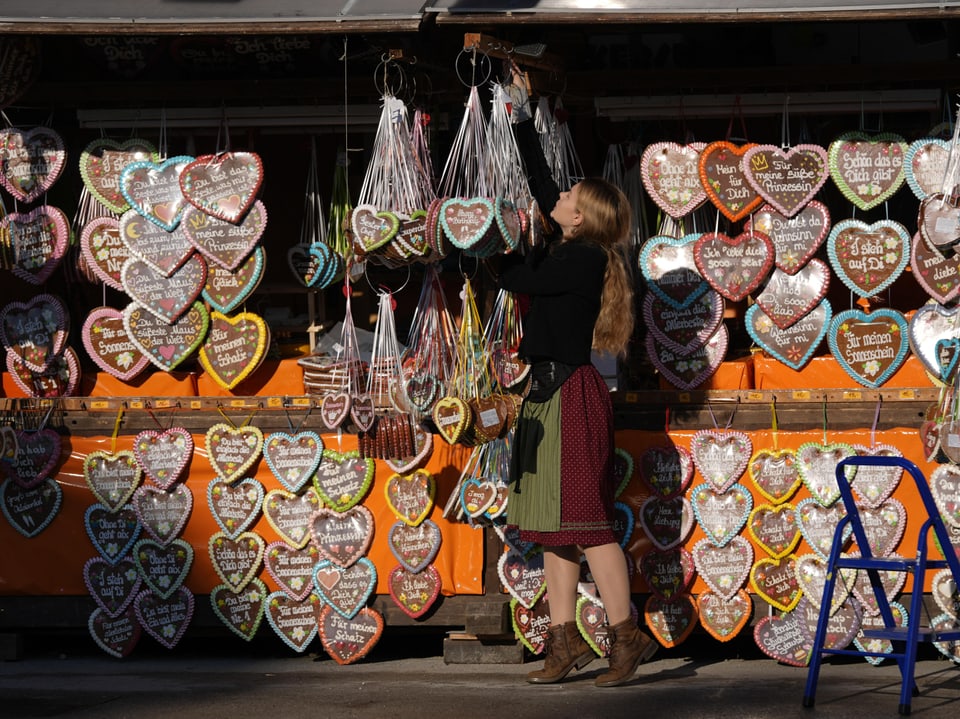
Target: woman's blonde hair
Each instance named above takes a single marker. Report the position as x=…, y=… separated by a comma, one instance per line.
x=607, y=221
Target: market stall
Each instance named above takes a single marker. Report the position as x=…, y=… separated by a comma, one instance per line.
x=258, y=377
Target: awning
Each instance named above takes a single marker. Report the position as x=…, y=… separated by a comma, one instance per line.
x=632, y=11
x=209, y=16
x=384, y=16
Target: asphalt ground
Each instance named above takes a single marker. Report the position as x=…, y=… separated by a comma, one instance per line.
x=405, y=676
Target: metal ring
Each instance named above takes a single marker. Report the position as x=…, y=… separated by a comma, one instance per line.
x=472, y=55
x=383, y=290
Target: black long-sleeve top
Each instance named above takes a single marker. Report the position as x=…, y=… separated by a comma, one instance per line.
x=564, y=280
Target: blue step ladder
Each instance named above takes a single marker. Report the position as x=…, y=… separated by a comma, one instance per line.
x=904, y=639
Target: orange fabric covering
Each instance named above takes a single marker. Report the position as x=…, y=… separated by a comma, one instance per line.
x=825, y=372
x=51, y=563
x=273, y=378
x=734, y=374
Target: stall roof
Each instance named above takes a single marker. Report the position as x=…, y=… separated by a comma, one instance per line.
x=236, y=16
x=686, y=10
x=274, y=16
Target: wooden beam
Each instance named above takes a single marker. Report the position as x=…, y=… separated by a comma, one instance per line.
x=504, y=50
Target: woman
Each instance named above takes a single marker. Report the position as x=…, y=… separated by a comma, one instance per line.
x=562, y=486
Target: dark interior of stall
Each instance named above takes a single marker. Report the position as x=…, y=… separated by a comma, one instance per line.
x=85, y=85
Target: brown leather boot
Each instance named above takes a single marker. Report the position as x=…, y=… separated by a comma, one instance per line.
x=629, y=648
x=565, y=649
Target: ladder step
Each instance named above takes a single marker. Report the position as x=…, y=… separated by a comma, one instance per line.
x=900, y=634
x=895, y=564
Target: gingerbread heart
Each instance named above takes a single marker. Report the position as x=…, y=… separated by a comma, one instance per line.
x=734, y=266
x=867, y=168
x=811, y=572
x=774, y=528
x=669, y=573
x=928, y=325
x=350, y=640
x=900, y=618
x=241, y=612
x=422, y=449
x=884, y=526
x=235, y=507
x=466, y=222
x=414, y=592
x=870, y=347
x=363, y=411
x=59, y=379
x=530, y=624
x=670, y=174
x=36, y=457
x=163, y=513
x=683, y=330
x=410, y=496
x=165, y=618
x=874, y=485
x=153, y=189
x=30, y=161
x=724, y=618
x=668, y=266
x=112, y=586
x=666, y=469
x=522, y=576
x=236, y=560
x=414, y=546
x=163, y=456
x=796, y=238
x=103, y=251
x=775, y=580
x=232, y=450
x=113, y=477
x=817, y=464
x=787, y=178
x=453, y=417
x=166, y=345
x=666, y=522
x=593, y=625
x=841, y=626
x=334, y=409
x=939, y=276
x=113, y=533
x=343, y=478
x=721, y=515
x=671, y=622
x=224, y=243
x=795, y=345
x=163, y=250
x=40, y=239
x=226, y=290
x=868, y=258
x=721, y=456
x=372, y=229
x=30, y=511
x=342, y=537
x=224, y=185
x=818, y=524
x=291, y=568
x=117, y=636
x=945, y=488
x=925, y=165
x=290, y=514
x=35, y=331
x=295, y=621
x=293, y=458
x=163, y=567
x=108, y=345
x=938, y=222
x=723, y=569
x=785, y=638
x=234, y=348
x=102, y=162
x=691, y=370
x=722, y=176
x=786, y=298
x=167, y=298
x=345, y=589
